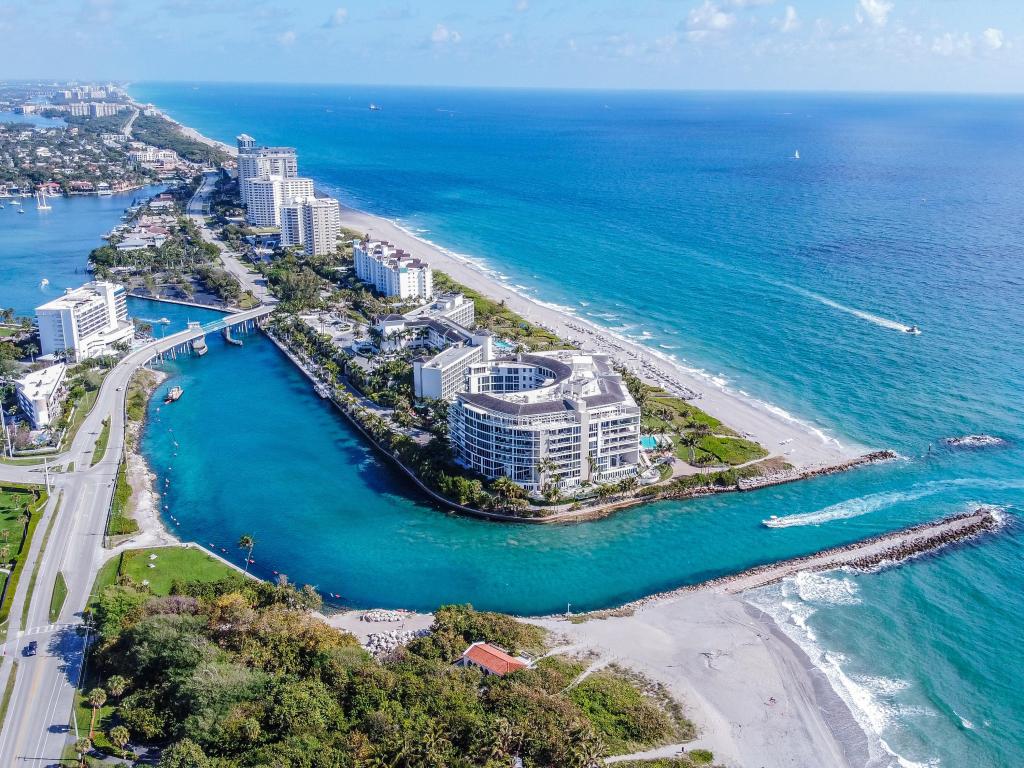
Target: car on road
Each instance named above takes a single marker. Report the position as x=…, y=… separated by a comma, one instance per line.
x=31, y=649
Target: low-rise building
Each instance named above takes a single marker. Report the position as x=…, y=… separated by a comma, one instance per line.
x=392, y=271
x=85, y=322
x=491, y=660
x=41, y=393
x=560, y=418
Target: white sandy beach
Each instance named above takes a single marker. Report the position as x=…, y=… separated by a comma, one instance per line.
x=757, y=700
x=781, y=434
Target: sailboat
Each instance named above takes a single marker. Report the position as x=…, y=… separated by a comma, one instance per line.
x=41, y=203
x=796, y=155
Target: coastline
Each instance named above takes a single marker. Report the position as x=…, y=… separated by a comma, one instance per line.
x=783, y=435
x=763, y=680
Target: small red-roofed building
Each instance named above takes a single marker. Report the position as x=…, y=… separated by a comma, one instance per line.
x=491, y=659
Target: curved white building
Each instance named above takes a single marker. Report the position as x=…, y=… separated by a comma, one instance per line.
x=556, y=417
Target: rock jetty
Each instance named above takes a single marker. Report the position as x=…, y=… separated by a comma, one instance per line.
x=382, y=644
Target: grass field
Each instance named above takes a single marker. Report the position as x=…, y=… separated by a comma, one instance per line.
x=171, y=564
x=60, y=594
x=42, y=548
x=722, y=450
x=85, y=405
x=101, y=443
x=15, y=535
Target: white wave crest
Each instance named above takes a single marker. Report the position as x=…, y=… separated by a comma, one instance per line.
x=863, y=315
x=873, y=502
x=826, y=589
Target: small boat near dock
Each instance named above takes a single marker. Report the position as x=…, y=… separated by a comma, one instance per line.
x=199, y=346
x=173, y=394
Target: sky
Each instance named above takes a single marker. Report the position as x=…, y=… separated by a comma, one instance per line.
x=873, y=45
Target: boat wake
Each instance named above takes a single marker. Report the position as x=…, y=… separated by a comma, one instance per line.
x=874, y=502
x=863, y=315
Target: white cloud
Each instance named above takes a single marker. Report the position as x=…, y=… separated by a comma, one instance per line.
x=708, y=19
x=442, y=35
x=287, y=38
x=336, y=19
x=874, y=12
x=953, y=45
x=523, y=5
x=749, y=3
x=993, y=38
x=791, y=21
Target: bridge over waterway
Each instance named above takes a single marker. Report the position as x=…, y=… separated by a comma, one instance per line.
x=179, y=343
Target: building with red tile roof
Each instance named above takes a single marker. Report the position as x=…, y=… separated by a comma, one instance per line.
x=491, y=659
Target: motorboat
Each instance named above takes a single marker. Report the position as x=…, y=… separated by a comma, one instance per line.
x=173, y=394
x=913, y=330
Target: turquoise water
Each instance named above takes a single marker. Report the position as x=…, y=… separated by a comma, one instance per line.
x=53, y=244
x=678, y=219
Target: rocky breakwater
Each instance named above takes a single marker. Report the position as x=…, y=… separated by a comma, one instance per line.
x=778, y=478
x=886, y=549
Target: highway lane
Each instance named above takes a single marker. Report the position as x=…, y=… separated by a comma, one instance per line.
x=35, y=730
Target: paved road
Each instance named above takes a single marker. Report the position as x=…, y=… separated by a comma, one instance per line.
x=36, y=728
x=198, y=209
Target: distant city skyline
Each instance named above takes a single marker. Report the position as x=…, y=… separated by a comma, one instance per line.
x=878, y=45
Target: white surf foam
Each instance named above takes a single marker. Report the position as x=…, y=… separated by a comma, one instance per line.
x=873, y=502
x=862, y=314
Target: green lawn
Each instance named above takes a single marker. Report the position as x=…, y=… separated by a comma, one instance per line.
x=15, y=501
x=119, y=523
x=171, y=564
x=60, y=594
x=26, y=461
x=663, y=413
x=724, y=450
x=101, y=443
x=85, y=405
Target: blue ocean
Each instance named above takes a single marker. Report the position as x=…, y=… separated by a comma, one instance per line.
x=682, y=220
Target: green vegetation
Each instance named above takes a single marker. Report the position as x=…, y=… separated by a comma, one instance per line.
x=698, y=438
x=172, y=564
x=141, y=386
x=119, y=523
x=496, y=317
x=237, y=674
x=39, y=560
x=5, y=702
x=698, y=758
x=625, y=717
x=20, y=510
x=101, y=443
x=60, y=594
x=161, y=132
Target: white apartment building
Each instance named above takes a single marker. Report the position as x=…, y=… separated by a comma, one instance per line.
x=265, y=196
x=392, y=271
x=85, y=322
x=40, y=394
x=312, y=222
x=554, y=417
x=263, y=201
x=254, y=161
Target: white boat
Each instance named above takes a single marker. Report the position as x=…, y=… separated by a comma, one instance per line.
x=41, y=203
x=796, y=155
x=913, y=330
x=43, y=283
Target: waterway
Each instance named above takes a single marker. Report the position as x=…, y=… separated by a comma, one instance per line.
x=781, y=275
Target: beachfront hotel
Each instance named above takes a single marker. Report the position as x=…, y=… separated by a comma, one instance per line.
x=392, y=271
x=85, y=322
x=555, y=417
x=40, y=394
x=312, y=222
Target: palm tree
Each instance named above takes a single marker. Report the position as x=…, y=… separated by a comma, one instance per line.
x=247, y=543
x=32, y=350
x=117, y=685
x=83, y=747
x=691, y=441
x=97, y=698
x=119, y=736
